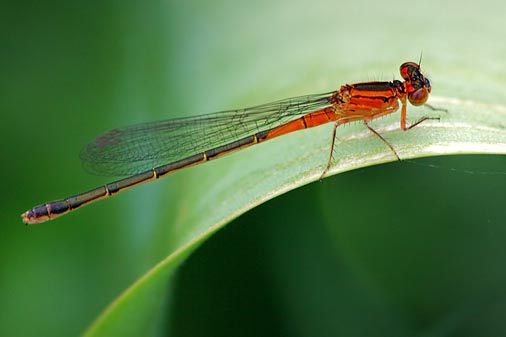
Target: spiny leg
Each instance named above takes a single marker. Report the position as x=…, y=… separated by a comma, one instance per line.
x=329, y=162
x=403, y=127
x=425, y=118
x=383, y=139
x=403, y=116
x=420, y=121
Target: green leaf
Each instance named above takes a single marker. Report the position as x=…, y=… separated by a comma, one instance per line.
x=467, y=127
x=214, y=194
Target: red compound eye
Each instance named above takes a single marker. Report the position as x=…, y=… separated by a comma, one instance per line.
x=419, y=96
x=408, y=69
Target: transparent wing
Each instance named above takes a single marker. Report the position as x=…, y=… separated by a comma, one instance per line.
x=140, y=147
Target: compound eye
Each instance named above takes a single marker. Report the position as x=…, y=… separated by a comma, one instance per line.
x=408, y=70
x=427, y=84
x=419, y=96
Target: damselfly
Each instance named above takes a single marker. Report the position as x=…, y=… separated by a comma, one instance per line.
x=152, y=150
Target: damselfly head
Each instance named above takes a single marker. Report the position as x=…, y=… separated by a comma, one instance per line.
x=417, y=86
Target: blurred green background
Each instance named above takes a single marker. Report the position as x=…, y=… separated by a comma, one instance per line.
x=414, y=248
